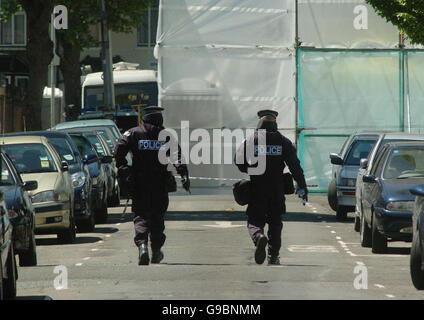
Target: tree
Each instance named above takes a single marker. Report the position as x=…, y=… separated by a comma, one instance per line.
x=122, y=16
x=38, y=53
x=407, y=15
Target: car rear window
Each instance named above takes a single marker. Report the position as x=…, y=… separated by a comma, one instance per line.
x=359, y=150
x=407, y=162
x=63, y=149
x=6, y=178
x=30, y=158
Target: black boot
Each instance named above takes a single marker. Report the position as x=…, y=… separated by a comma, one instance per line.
x=157, y=256
x=273, y=258
x=260, y=252
x=143, y=255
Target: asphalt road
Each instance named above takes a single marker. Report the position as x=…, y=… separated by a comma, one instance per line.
x=209, y=255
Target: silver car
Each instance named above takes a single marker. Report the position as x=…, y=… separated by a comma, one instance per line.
x=366, y=165
x=341, y=191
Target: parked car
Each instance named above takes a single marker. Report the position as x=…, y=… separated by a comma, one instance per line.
x=102, y=148
x=97, y=173
x=107, y=128
x=417, y=254
x=387, y=203
x=366, y=165
x=104, y=126
x=53, y=200
x=8, y=269
x=20, y=210
x=80, y=175
x=341, y=190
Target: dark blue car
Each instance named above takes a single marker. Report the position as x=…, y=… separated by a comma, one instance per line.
x=20, y=211
x=387, y=203
x=97, y=173
x=417, y=254
x=79, y=171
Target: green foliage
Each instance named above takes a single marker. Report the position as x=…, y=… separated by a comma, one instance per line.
x=122, y=16
x=407, y=15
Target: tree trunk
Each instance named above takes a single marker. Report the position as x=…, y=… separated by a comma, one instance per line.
x=39, y=54
x=71, y=71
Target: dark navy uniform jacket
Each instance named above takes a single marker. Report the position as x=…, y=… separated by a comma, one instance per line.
x=143, y=142
x=279, y=152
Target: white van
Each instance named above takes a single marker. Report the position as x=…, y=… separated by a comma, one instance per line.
x=134, y=89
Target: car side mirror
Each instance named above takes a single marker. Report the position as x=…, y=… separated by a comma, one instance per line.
x=89, y=158
x=64, y=165
x=418, y=190
x=369, y=178
x=107, y=159
x=363, y=164
x=335, y=159
x=30, y=185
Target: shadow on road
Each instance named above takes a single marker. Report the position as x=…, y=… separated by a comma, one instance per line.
x=36, y=298
x=401, y=251
x=113, y=218
x=55, y=241
x=104, y=230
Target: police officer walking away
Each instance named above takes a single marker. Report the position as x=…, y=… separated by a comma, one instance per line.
x=149, y=192
x=267, y=201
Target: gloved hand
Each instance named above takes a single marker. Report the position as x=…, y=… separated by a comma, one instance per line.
x=186, y=182
x=125, y=180
x=303, y=194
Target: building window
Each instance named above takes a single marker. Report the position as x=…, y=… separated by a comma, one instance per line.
x=13, y=31
x=146, y=31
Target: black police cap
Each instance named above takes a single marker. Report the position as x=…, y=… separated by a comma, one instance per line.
x=152, y=109
x=264, y=113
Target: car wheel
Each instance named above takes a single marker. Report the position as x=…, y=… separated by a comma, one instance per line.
x=341, y=213
x=332, y=195
x=357, y=225
x=89, y=224
x=365, y=233
x=379, y=241
x=68, y=236
x=417, y=274
x=29, y=257
x=9, y=284
x=101, y=214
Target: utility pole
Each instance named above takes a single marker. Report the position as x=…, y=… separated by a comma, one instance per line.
x=53, y=65
x=106, y=57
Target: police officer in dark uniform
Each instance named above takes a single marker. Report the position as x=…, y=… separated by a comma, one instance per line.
x=267, y=202
x=149, y=187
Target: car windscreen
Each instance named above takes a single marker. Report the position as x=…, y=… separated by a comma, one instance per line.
x=406, y=162
x=96, y=143
x=30, y=158
x=359, y=150
x=6, y=178
x=127, y=95
x=63, y=149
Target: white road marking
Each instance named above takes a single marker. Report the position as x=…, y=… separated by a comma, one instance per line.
x=379, y=286
x=360, y=263
x=312, y=248
x=223, y=224
x=332, y=231
x=390, y=296
x=338, y=238
x=108, y=236
x=78, y=264
x=95, y=249
x=86, y=258
x=118, y=224
x=100, y=241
